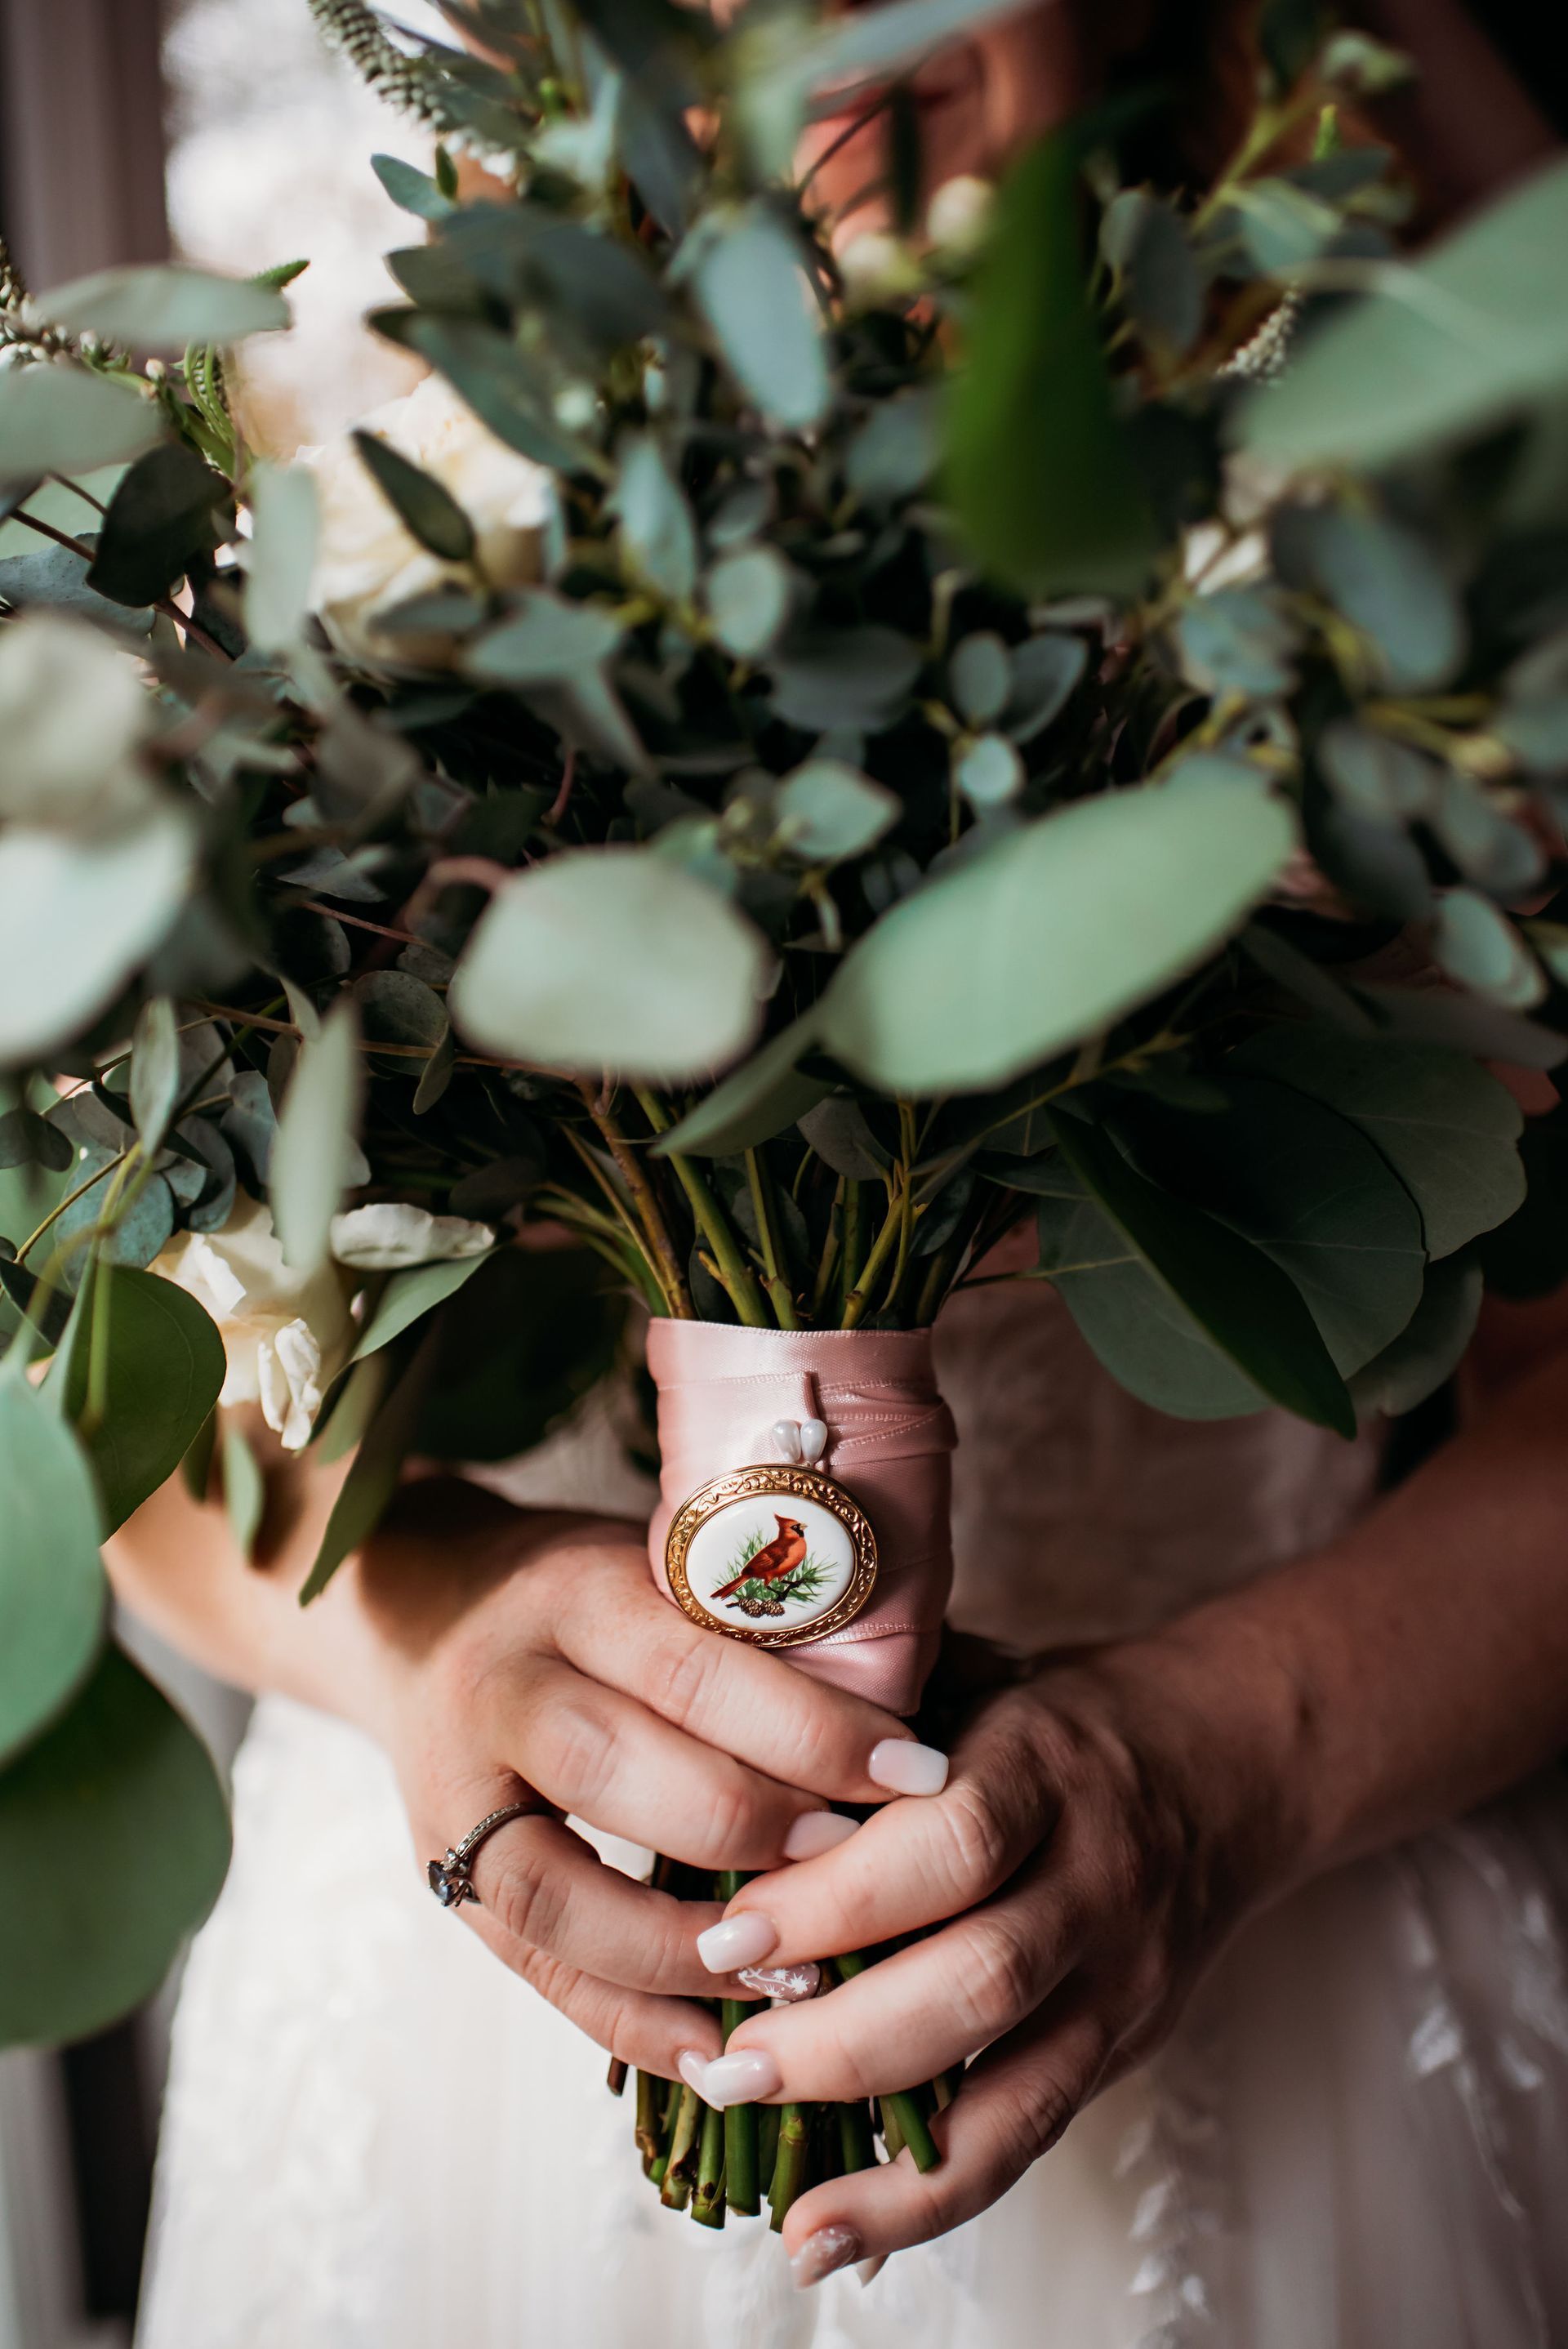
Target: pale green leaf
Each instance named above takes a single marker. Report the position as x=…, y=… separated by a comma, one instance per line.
x=77, y=916
x=53, y=1594
x=313, y=1156
x=281, y=559
x=162, y=306
x=1051, y=935
x=56, y=417
x=616, y=959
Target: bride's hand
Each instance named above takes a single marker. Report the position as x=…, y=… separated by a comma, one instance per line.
x=539, y=1663
x=1106, y=1823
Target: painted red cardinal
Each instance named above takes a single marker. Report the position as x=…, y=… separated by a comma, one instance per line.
x=783, y=1554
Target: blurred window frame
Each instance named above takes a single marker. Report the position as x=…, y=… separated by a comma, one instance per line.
x=81, y=134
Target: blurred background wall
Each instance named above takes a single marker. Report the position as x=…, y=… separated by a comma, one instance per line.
x=220, y=131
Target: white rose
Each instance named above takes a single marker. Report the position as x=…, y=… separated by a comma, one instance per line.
x=390, y=1237
x=285, y=1338
x=73, y=712
x=367, y=562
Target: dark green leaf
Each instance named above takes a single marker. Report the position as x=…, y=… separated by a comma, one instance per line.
x=53, y=1595
x=28, y=1140
x=656, y=527
x=56, y=578
x=1448, y=1128
x=170, y=509
x=1242, y=1304
x=410, y=190
x=838, y=1131
x=1387, y=581
x=750, y=595
x=1312, y=1191
x=1046, y=673
x=428, y=511
x=378, y=1468
x=1038, y=468
x=1431, y=1346
x=858, y=677
x=516, y=1352
x=1238, y=640
x=162, y=1370
x=125, y=1786
x=1143, y=239
x=493, y=375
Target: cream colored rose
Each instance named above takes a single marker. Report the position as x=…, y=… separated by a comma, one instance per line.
x=367, y=562
x=285, y=1338
x=389, y=1236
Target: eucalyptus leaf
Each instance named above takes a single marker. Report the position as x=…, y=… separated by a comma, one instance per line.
x=53, y=1594
x=1313, y=1192
x=56, y=418
x=827, y=810
x=1143, y=238
x=1047, y=670
x=162, y=306
x=154, y=1071
x=141, y=1388
x=123, y=1784
x=750, y=596
x=312, y=1156
x=281, y=559
x=411, y=189
x=1471, y=333
x=858, y=677
x=1387, y=580
x=1242, y=1304
x=1447, y=1127
x=28, y=1140
x=617, y=959
x=981, y=672
x=55, y=578
x=750, y=286
x=549, y=641
x=425, y=506
x=1038, y=463
x=762, y=1097
x=244, y=1488
x=170, y=509
x=493, y=375
x=1051, y=935
x=376, y=1473
x=1238, y=640
x=77, y=916
x=408, y=1296
x=1431, y=1346
x=656, y=527
x=1476, y=944
x=838, y=1131
x=989, y=772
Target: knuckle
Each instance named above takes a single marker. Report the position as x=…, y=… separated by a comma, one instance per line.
x=526, y=1902
x=978, y=1841
x=733, y=1830
x=581, y=1746
x=1029, y=2120
x=998, y=1984
x=682, y=1681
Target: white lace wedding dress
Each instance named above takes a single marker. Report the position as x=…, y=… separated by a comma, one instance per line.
x=377, y=2138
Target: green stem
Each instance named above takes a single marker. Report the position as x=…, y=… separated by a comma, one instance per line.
x=676, y=2189
x=707, y=2201
x=881, y=1247
x=635, y=1176
x=734, y=1273
x=789, y=2165
x=773, y=1277
x=829, y=1251
x=742, y=2157
x=650, y=2114
x=904, y=2108
x=856, y=2146
x=849, y=1244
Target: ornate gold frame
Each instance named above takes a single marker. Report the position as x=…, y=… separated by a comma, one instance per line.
x=755, y=1484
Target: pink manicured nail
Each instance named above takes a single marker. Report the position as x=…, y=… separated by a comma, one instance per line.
x=905, y=1768
x=737, y=2079
x=737, y=1941
x=787, y=1983
x=820, y=2254
x=868, y=2271
x=815, y=1832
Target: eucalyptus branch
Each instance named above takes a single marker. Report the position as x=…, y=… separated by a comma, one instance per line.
x=773, y=1277
x=170, y=610
x=734, y=1274
x=635, y=1176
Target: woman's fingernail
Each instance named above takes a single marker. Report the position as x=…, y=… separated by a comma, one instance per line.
x=790, y=1983
x=737, y=2079
x=868, y=2271
x=815, y=1832
x=905, y=1768
x=737, y=1941
x=820, y=2254
x=692, y=2067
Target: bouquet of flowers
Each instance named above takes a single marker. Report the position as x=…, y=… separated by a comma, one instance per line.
x=786, y=759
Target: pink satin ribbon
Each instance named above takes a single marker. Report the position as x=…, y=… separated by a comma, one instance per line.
x=889, y=1438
